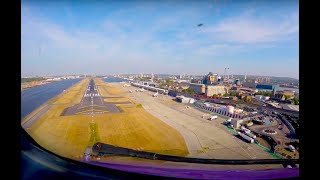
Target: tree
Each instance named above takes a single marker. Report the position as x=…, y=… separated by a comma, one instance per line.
x=264, y=93
x=296, y=101
x=248, y=99
x=161, y=86
x=287, y=97
x=169, y=81
x=232, y=93
x=189, y=91
x=267, y=93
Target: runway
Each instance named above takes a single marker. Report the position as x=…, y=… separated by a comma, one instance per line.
x=92, y=103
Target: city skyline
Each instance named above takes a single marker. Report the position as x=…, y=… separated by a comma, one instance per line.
x=252, y=38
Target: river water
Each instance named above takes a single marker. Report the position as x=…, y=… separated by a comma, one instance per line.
x=113, y=79
x=291, y=89
x=34, y=97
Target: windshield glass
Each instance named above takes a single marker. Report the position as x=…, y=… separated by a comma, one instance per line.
x=106, y=80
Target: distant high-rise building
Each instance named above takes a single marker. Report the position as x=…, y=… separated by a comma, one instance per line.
x=219, y=79
x=237, y=82
x=226, y=74
x=209, y=79
x=273, y=92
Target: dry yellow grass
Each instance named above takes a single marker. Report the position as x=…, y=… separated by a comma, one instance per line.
x=137, y=129
x=66, y=136
x=108, y=90
x=133, y=128
x=73, y=94
x=115, y=100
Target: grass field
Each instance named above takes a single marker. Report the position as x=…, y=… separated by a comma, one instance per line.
x=115, y=100
x=94, y=134
x=73, y=94
x=132, y=128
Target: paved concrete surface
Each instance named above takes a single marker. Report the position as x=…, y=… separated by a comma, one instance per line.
x=204, y=139
x=92, y=103
x=34, y=118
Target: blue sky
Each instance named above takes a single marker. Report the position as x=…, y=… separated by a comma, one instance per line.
x=111, y=37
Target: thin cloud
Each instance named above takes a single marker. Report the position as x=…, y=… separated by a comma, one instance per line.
x=218, y=49
x=164, y=42
x=249, y=30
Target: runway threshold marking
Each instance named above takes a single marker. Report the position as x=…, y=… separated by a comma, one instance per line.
x=90, y=106
x=96, y=110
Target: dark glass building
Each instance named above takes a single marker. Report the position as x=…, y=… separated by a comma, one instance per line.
x=267, y=87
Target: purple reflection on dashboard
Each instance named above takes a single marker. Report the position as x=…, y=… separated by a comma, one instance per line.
x=204, y=173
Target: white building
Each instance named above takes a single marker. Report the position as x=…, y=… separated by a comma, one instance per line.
x=236, y=122
x=211, y=90
x=183, y=99
x=230, y=109
x=261, y=97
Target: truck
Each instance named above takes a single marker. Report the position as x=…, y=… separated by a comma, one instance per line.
x=207, y=104
x=250, y=135
x=292, y=148
x=247, y=138
x=213, y=117
x=245, y=129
